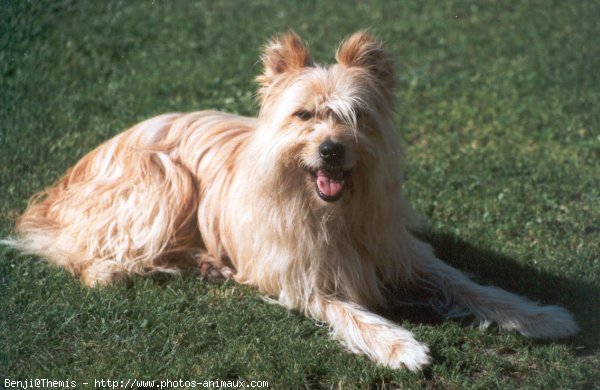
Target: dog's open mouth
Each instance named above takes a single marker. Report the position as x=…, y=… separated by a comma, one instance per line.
x=330, y=183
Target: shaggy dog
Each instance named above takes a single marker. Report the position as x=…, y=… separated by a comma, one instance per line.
x=304, y=202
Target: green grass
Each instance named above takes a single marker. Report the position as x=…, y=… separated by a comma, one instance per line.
x=500, y=111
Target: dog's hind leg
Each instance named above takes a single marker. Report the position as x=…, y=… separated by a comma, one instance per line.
x=212, y=268
x=364, y=332
x=488, y=304
x=101, y=273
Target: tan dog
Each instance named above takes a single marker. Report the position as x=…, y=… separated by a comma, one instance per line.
x=303, y=202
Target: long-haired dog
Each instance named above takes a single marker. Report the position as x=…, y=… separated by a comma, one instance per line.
x=304, y=202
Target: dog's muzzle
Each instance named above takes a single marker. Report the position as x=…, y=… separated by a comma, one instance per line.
x=331, y=177
x=332, y=152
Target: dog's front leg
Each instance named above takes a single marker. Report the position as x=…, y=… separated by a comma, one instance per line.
x=364, y=332
x=489, y=304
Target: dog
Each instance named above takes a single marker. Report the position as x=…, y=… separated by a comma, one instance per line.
x=303, y=202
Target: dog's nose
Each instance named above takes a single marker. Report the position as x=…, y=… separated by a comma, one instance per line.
x=332, y=152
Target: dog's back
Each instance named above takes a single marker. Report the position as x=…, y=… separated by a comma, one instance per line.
x=132, y=202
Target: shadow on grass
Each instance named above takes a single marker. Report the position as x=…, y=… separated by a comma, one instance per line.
x=489, y=268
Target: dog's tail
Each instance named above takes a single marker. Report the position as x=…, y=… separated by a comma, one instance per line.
x=37, y=233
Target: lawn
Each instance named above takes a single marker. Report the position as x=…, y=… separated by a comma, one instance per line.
x=499, y=108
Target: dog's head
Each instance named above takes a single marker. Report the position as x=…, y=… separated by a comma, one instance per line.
x=328, y=126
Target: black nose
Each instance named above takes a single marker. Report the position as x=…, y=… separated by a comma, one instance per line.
x=332, y=152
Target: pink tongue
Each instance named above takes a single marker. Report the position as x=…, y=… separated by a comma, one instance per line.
x=328, y=186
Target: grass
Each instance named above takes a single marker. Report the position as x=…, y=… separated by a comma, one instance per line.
x=500, y=111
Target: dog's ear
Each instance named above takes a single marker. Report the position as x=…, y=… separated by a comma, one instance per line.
x=285, y=53
x=361, y=49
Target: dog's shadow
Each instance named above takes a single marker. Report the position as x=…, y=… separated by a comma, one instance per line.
x=489, y=268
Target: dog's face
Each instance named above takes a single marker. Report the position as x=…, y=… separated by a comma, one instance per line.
x=326, y=125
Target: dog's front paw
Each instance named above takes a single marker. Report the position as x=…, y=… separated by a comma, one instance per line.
x=364, y=332
x=397, y=348
x=412, y=355
x=547, y=322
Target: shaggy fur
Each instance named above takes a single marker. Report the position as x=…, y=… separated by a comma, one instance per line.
x=303, y=202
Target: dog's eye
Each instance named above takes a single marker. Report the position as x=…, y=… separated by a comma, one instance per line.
x=303, y=115
x=360, y=115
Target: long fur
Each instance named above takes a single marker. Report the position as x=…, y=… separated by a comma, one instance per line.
x=235, y=196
